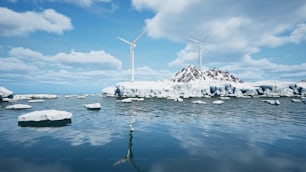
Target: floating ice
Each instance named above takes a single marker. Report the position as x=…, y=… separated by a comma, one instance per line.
x=218, y=102
x=81, y=97
x=225, y=98
x=18, y=107
x=36, y=101
x=127, y=100
x=50, y=115
x=272, y=102
x=198, y=102
x=296, y=100
x=94, y=106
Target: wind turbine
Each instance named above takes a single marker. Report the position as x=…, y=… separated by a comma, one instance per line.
x=132, y=48
x=200, y=44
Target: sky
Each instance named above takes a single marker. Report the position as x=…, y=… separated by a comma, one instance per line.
x=68, y=46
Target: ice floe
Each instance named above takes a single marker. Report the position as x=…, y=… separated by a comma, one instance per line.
x=51, y=115
x=218, y=102
x=93, y=106
x=296, y=100
x=45, y=118
x=18, y=107
x=198, y=102
x=36, y=101
x=272, y=102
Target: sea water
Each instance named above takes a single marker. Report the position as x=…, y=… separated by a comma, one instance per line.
x=158, y=135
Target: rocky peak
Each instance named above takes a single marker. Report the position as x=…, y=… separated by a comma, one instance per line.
x=191, y=73
x=187, y=74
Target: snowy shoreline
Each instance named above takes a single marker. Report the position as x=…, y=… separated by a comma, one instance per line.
x=192, y=82
x=206, y=88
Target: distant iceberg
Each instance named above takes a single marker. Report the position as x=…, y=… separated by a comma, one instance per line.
x=93, y=106
x=18, y=107
x=5, y=93
x=191, y=82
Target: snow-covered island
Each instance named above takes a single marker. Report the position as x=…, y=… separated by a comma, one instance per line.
x=192, y=82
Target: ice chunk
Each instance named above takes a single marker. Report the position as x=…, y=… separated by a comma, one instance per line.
x=81, y=97
x=4, y=93
x=94, y=106
x=225, y=98
x=18, y=107
x=36, y=101
x=50, y=115
x=178, y=99
x=218, y=102
x=198, y=102
x=272, y=102
x=45, y=118
x=296, y=100
x=127, y=100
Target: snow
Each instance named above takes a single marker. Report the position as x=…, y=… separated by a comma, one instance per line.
x=36, y=101
x=93, y=106
x=18, y=107
x=218, y=102
x=51, y=115
x=272, y=102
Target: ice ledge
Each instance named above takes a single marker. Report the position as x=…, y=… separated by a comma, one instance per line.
x=170, y=89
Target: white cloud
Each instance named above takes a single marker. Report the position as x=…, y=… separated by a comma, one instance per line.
x=90, y=70
x=13, y=65
x=92, y=57
x=62, y=59
x=26, y=53
x=263, y=69
x=82, y=3
x=21, y=23
x=236, y=28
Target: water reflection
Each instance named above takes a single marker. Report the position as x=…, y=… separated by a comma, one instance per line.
x=129, y=155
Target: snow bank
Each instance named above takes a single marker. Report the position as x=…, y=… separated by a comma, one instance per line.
x=206, y=88
x=18, y=107
x=50, y=115
x=93, y=106
x=193, y=82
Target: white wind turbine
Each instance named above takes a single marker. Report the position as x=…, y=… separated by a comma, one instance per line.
x=132, y=48
x=200, y=44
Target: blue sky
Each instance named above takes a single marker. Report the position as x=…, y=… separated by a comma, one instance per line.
x=67, y=46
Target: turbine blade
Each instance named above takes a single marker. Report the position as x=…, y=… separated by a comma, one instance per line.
x=139, y=36
x=124, y=40
x=203, y=40
x=194, y=40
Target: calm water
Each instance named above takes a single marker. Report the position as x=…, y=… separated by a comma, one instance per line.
x=240, y=135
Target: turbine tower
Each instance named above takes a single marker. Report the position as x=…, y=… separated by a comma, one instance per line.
x=132, y=48
x=200, y=44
